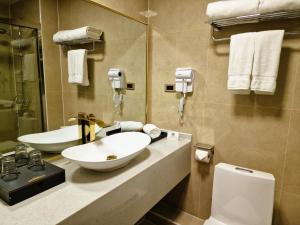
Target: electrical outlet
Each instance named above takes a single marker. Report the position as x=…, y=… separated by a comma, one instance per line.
x=130, y=86
x=169, y=88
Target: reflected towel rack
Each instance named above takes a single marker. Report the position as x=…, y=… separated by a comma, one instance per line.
x=68, y=44
x=218, y=24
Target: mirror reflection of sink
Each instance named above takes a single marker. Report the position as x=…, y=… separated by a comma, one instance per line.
x=6, y=103
x=54, y=141
x=125, y=146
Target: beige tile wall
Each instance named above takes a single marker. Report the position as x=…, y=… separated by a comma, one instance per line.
x=52, y=73
x=124, y=47
x=26, y=13
x=259, y=132
x=123, y=42
x=131, y=8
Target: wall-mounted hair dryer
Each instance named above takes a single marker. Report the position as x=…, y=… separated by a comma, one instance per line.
x=184, y=78
x=116, y=76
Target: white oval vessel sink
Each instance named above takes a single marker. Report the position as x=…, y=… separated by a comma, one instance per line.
x=125, y=146
x=54, y=141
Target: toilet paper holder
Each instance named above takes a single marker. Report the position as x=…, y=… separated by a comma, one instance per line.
x=203, y=152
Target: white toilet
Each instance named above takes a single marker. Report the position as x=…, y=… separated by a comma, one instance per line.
x=241, y=196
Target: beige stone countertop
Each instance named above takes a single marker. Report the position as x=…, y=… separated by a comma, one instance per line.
x=83, y=187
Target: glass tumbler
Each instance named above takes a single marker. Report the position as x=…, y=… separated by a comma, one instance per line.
x=9, y=168
x=1, y=157
x=21, y=154
x=35, y=161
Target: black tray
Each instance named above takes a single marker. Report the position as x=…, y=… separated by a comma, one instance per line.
x=30, y=183
x=162, y=136
x=118, y=130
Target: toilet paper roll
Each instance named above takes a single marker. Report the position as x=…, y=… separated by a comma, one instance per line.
x=202, y=156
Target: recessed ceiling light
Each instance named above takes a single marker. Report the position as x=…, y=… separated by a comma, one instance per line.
x=148, y=13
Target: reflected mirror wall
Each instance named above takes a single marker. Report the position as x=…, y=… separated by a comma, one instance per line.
x=124, y=46
x=20, y=91
x=35, y=95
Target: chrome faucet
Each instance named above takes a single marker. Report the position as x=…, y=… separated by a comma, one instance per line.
x=86, y=126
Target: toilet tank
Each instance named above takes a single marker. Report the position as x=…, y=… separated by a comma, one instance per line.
x=242, y=196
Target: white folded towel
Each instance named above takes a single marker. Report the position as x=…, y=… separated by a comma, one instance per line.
x=29, y=67
x=152, y=130
x=240, y=63
x=77, y=34
x=22, y=43
x=77, y=67
x=266, y=61
x=231, y=8
x=268, y=6
x=131, y=126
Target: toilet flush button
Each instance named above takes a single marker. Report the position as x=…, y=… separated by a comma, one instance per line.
x=244, y=170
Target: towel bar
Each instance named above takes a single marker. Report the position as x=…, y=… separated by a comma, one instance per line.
x=68, y=44
x=228, y=38
x=218, y=24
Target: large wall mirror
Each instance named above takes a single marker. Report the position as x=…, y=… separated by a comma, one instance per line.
x=35, y=95
x=20, y=74
x=123, y=47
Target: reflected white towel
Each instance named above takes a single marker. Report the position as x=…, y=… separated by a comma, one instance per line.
x=77, y=67
x=131, y=126
x=22, y=43
x=231, y=8
x=152, y=130
x=77, y=34
x=266, y=61
x=268, y=6
x=240, y=63
x=29, y=67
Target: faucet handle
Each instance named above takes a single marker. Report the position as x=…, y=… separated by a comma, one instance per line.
x=88, y=118
x=86, y=125
x=80, y=116
x=92, y=121
x=92, y=118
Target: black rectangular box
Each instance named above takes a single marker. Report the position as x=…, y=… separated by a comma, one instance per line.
x=30, y=183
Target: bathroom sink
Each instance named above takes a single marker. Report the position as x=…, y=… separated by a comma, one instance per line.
x=54, y=141
x=124, y=146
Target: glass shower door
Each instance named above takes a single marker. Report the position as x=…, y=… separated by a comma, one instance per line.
x=19, y=85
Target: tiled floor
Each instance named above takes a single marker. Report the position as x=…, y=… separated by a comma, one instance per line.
x=145, y=222
x=163, y=214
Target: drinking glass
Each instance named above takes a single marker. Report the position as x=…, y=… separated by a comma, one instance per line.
x=35, y=160
x=9, y=168
x=21, y=154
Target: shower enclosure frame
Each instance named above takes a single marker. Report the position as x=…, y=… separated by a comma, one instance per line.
x=40, y=70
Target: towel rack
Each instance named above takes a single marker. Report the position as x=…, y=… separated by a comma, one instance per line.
x=218, y=24
x=68, y=44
